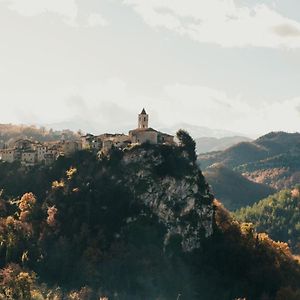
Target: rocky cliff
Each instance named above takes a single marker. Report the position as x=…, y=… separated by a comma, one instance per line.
x=182, y=202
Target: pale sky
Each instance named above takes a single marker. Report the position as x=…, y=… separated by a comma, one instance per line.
x=94, y=64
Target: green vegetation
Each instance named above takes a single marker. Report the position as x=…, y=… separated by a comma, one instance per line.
x=277, y=215
x=234, y=190
x=188, y=143
x=131, y=225
x=271, y=160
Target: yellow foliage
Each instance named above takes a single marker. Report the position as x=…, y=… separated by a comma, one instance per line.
x=25, y=256
x=57, y=184
x=70, y=173
x=83, y=294
x=279, y=246
x=24, y=278
x=247, y=229
x=36, y=295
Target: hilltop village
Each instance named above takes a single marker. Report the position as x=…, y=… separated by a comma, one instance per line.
x=29, y=152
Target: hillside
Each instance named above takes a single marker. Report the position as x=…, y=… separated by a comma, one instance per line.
x=211, y=144
x=234, y=190
x=277, y=215
x=135, y=224
x=10, y=132
x=234, y=156
x=272, y=159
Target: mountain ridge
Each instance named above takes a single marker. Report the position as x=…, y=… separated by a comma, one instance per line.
x=271, y=159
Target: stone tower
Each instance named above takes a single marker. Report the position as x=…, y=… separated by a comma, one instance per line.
x=143, y=120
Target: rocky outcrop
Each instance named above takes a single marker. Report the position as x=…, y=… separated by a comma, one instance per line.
x=182, y=203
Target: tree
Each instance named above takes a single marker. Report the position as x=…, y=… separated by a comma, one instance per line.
x=187, y=142
x=15, y=283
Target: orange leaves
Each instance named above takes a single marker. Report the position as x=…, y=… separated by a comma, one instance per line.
x=52, y=211
x=27, y=202
x=295, y=193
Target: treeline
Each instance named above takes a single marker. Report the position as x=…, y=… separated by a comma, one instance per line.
x=9, y=133
x=277, y=215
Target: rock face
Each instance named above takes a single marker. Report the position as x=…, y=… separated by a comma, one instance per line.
x=180, y=199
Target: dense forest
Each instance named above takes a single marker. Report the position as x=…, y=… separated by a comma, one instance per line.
x=248, y=172
x=233, y=189
x=134, y=224
x=278, y=215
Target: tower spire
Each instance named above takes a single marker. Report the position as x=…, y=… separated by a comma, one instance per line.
x=143, y=120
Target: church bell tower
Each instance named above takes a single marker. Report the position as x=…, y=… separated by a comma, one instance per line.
x=143, y=120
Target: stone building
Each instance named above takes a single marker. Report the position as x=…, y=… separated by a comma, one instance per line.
x=28, y=157
x=41, y=152
x=47, y=152
x=25, y=144
x=69, y=147
x=8, y=155
x=144, y=134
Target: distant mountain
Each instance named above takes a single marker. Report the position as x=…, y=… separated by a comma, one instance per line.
x=200, y=131
x=273, y=159
x=209, y=144
x=234, y=156
x=234, y=190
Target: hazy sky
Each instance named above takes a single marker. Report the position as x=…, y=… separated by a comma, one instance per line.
x=94, y=64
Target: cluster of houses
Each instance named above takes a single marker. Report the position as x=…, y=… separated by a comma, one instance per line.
x=30, y=153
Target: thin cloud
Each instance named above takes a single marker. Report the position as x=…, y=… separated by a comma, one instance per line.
x=286, y=30
x=96, y=19
x=216, y=109
x=67, y=9
x=111, y=105
x=220, y=22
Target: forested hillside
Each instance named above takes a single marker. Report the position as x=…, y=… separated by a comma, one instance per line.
x=277, y=215
x=210, y=144
x=135, y=224
x=263, y=148
x=9, y=133
x=234, y=190
x=272, y=160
